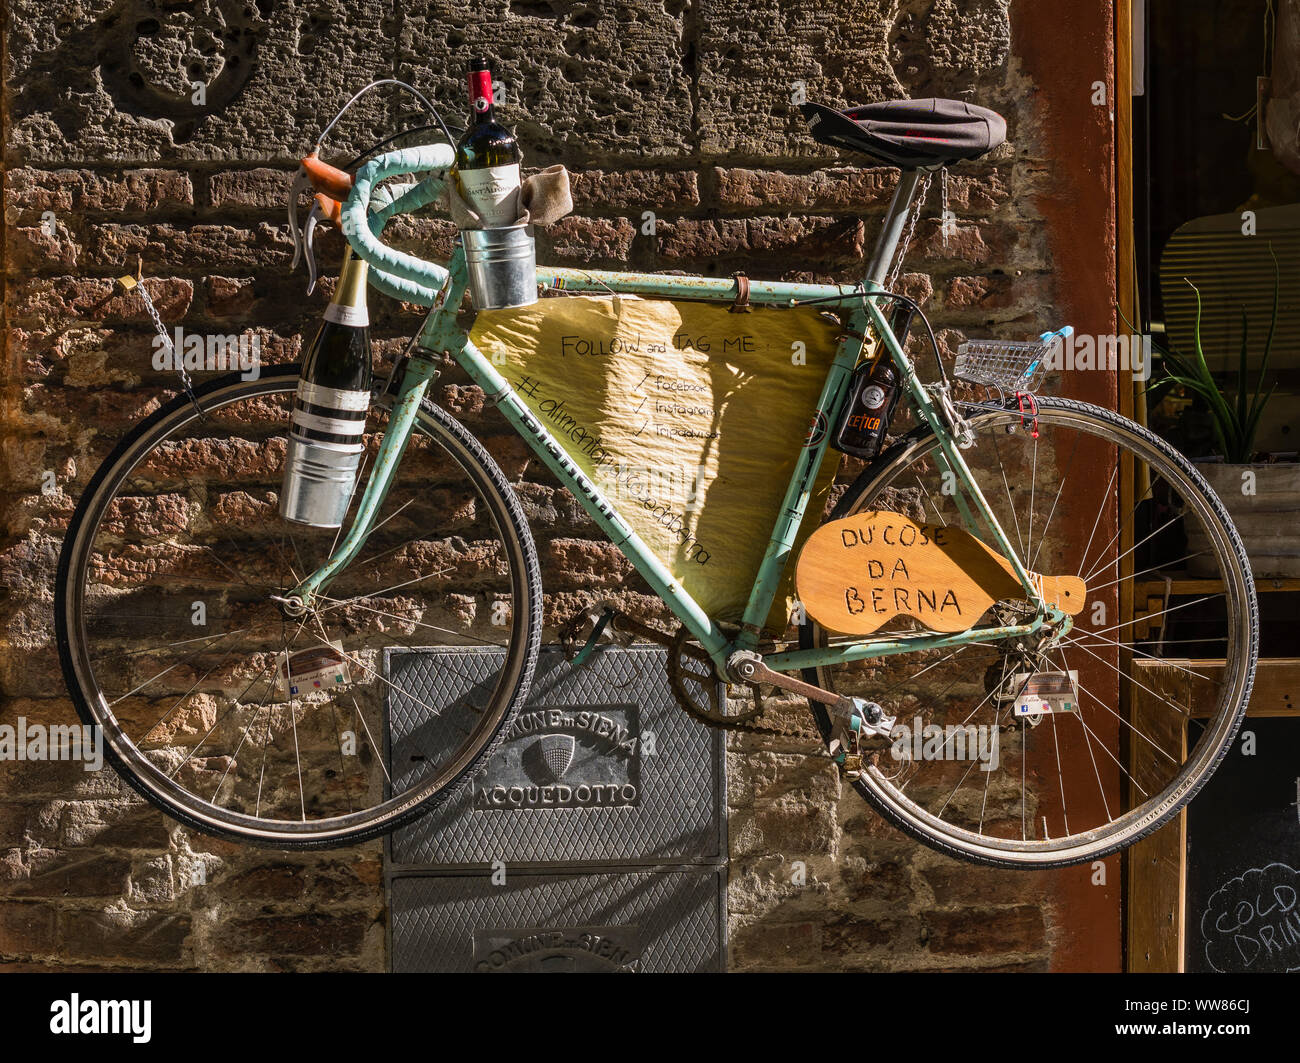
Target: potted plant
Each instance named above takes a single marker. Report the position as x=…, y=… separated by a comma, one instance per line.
x=1261, y=496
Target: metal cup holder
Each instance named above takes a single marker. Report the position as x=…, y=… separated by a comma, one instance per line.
x=502, y=266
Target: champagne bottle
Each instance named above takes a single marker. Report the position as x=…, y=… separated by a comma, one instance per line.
x=487, y=156
x=329, y=410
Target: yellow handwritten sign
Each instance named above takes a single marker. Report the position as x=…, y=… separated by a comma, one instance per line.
x=856, y=574
x=690, y=418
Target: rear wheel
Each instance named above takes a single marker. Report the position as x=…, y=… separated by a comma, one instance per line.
x=963, y=771
x=173, y=633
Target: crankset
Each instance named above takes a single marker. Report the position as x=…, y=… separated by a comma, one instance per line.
x=692, y=677
x=696, y=684
x=697, y=688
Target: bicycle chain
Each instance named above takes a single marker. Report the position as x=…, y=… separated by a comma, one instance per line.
x=624, y=628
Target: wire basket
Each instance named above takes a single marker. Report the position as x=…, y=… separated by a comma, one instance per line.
x=1008, y=365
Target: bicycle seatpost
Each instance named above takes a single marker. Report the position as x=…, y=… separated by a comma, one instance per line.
x=892, y=230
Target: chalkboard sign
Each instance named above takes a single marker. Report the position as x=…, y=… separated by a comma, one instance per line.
x=1243, y=855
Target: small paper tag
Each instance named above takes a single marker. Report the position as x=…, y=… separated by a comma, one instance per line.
x=317, y=668
x=1038, y=693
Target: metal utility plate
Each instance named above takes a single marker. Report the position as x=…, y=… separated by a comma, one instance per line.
x=601, y=767
x=654, y=920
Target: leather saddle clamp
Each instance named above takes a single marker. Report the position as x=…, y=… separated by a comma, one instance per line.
x=741, y=304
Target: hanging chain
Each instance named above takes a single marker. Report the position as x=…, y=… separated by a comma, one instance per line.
x=892, y=279
x=137, y=283
x=945, y=223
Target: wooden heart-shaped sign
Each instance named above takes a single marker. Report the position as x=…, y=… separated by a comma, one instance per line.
x=856, y=574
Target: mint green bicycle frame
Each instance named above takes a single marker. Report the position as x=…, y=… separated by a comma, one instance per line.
x=441, y=335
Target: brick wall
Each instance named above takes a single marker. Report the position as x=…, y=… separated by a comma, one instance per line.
x=673, y=107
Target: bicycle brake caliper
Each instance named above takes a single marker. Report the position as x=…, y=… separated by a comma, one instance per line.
x=957, y=424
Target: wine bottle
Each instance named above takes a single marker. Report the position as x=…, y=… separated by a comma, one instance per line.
x=329, y=409
x=487, y=156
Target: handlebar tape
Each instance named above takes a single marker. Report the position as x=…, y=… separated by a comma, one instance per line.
x=385, y=204
x=394, y=272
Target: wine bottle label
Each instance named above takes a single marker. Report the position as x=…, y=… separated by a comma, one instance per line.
x=332, y=398
x=329, y=415
x=873, y=397
x=303, y=439
x=353, y=316
x=332, y=426
x=493, y=192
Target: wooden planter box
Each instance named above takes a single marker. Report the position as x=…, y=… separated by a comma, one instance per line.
x=1268, y=520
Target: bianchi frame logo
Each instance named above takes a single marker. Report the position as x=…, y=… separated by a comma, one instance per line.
x=575, y=757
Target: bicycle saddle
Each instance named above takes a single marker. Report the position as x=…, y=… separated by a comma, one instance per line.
x=913, y=134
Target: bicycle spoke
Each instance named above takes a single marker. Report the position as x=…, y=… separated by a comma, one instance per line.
x=1169, y=662
x=1110, y=484
x=1182, y=709
x=1145, y=539
x=165, y=646
x=234, y=757
x=1033, y=487
x=1047, y=524
x=1011, y=505
x=1146, y=572
x=943, y=523
x=1060, y=778
x=1124, y=723
x=1087, y=741
x=221, y=719
x=353, y=603
x=1151, y=616
x=371, y=739
x=163, y=719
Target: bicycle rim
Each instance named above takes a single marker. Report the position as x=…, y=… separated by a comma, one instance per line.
x=170, y=640
x=1122, y=741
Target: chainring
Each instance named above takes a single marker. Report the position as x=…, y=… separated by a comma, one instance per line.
x=692, y=677
x=694, y=682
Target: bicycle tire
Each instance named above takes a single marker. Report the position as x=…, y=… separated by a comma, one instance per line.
x=527, y=614
x=1167, y=804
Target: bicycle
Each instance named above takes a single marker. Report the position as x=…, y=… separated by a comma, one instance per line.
x=437, y=547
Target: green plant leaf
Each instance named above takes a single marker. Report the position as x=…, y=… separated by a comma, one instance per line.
x=1257, y=402
x=1226, y=429
x=1241, y=368
x=1252, y=422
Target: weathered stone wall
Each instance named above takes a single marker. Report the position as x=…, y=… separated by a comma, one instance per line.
x=676, y=107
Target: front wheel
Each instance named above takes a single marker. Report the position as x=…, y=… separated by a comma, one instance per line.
x=1158, y=701
x=174, y=635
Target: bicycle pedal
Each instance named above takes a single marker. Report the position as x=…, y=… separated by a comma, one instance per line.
x=599, y=622
x=864, y=717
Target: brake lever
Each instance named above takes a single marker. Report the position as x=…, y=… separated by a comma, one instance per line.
x=309, y=245
x=301, y=184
